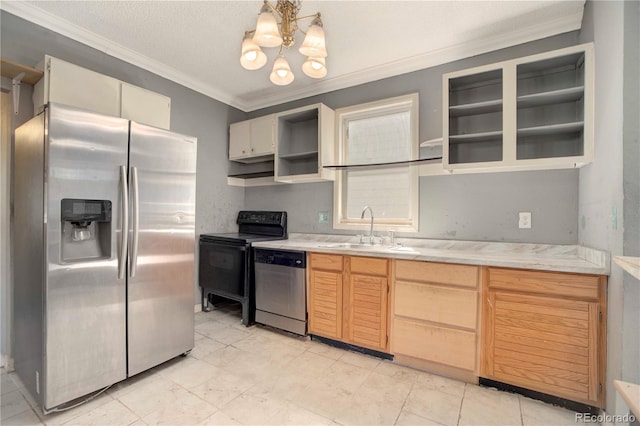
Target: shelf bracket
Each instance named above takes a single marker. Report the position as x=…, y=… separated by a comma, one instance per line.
x=15, y=83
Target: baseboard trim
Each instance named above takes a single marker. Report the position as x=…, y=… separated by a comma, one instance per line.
x=7, y=363
x=555, y=400
x=197, y=308
x=349, y=347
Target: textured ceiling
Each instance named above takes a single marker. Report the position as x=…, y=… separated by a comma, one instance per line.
x=197, y=43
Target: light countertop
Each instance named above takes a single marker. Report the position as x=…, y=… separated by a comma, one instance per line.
x=629, y=264
x=545, y=257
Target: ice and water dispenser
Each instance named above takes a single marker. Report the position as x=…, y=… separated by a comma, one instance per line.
x=86, y=229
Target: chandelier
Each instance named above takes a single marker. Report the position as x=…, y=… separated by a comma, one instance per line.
x=270, y=33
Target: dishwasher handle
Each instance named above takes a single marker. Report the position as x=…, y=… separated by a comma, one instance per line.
x=291, y=259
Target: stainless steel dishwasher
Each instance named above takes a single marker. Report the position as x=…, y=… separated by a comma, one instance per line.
x=281, y=291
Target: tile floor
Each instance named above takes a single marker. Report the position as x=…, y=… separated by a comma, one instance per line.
x=237, y=375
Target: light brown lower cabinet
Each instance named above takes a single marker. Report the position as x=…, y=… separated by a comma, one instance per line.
x=545, y=331
x=348, y=299
x=435, y=317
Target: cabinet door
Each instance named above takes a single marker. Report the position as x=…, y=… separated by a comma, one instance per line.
x=79, y=87
x=546, y=344
x=239, y=140
x=368, y=311
x=145, y=106
x=262, y=136
x=325, y=303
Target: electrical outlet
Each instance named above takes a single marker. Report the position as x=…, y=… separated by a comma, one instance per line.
x=323, y=217
x=524, y=221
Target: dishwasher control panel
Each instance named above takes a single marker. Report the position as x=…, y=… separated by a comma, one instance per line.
x=292, y=259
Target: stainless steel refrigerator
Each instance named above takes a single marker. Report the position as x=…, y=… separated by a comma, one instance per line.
x=103, y=249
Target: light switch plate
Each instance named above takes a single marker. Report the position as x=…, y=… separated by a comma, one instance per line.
x=524, y=221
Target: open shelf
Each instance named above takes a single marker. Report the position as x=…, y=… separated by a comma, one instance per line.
x=477, y=137
x=534, y=112
x=552, y=97
x=299, y=155
x=11, y=69
x=474, y=108
x=252, y=175
x=431, y=143
x=551, y=129
x=304, y=141
x=434, y=160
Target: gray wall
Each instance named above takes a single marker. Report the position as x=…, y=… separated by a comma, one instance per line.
x=465, y=207
x=613, y=27
x=631, y=190
x=191, y=113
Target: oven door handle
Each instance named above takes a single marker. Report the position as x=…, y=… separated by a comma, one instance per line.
x=223, y=244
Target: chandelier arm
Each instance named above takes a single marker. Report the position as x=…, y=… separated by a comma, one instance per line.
x=305, y=17
x=273, y=9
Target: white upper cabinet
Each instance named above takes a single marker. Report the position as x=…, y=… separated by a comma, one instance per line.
x=252, y=141
x=145, y=106
x=79, y=87
x=262, y=136
x=529, y=113
x=305, y=143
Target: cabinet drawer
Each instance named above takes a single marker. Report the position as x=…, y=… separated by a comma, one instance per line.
x=452, y=306
x=329, y=262
x=369, y=266
x=456, y=348
x=549, y=283
x=443, y=273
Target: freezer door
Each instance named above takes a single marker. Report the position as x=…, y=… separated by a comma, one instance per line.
x=162, y=172
x=85, y=315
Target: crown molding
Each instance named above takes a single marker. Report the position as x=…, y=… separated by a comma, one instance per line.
x=550, y=27
x=61, y=26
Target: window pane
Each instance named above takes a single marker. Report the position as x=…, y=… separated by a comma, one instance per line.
x=386, y=191
x=385, y=138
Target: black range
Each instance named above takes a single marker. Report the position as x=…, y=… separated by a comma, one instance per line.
x=226, y=269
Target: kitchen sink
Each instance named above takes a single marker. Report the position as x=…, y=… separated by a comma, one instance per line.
x=348, y=245
x=400, y=248
x=362, y=246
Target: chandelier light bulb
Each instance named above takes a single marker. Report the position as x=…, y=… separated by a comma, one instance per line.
x=267, y=32
x=281, y=74
x=252, y=57
x=315, y=67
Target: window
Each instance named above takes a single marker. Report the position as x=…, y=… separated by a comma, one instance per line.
x=378, y=132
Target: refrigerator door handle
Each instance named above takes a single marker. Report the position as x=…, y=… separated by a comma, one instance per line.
x=122, y=258
x=136, y=221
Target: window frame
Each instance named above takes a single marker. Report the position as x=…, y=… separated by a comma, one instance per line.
x=371, y=109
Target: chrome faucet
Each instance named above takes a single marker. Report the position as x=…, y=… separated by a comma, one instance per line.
x=371, y=227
